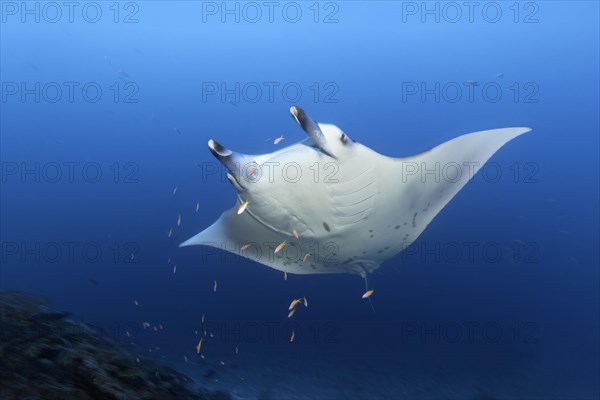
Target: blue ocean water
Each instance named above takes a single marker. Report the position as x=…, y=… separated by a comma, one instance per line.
x=107, y=108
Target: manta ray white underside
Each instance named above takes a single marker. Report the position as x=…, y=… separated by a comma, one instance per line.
x=350, y=207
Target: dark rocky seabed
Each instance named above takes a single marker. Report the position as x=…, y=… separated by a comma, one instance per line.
x=45, y=355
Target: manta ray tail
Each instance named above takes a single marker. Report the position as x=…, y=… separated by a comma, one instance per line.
x=365, y=275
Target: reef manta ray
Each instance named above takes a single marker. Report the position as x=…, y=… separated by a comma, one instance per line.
x=339, y=206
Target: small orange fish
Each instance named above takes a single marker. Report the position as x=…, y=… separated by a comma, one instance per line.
x=215, y=286
x=296, y=235
x=199, y=346
x=245, y=247
x=294, y=303
x=251, y=170
x=278, y=140
x=306, y=257
x=243, y=207
x=291, y=313
x=367, y=294
x=280, y=247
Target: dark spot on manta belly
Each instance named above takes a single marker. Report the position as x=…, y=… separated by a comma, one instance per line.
x=326, y=227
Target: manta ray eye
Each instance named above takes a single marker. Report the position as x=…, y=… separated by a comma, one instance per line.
x=344, y=138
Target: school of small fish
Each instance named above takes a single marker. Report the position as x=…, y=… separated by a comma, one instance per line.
x=294, y=303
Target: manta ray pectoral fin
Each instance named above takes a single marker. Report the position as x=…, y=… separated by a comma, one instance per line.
x=431, y=179
x=214, y=235
x=232, y=231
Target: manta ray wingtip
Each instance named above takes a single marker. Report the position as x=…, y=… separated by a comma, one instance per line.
x=524, y=129
x=194, y=240
x=519, y=130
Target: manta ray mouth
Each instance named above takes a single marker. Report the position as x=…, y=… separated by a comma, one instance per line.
x=236, y=184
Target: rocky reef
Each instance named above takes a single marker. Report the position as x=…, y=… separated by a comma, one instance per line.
x=45, y=355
